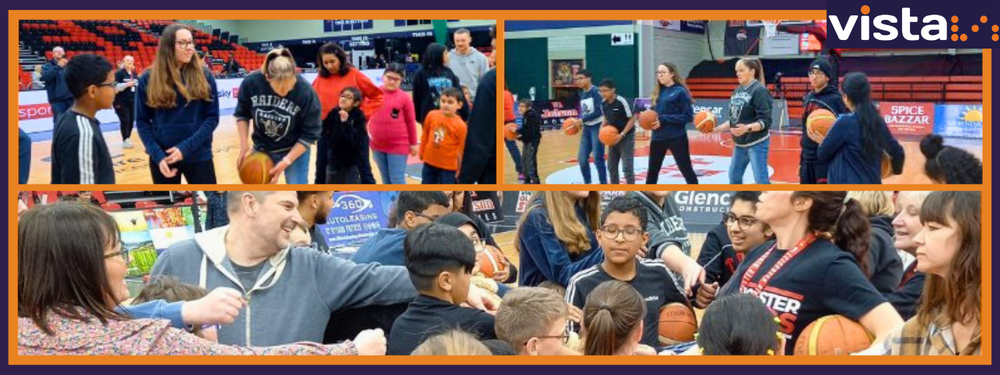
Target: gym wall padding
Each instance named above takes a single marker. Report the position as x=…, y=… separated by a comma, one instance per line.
x=620, y=63
x=527, y=65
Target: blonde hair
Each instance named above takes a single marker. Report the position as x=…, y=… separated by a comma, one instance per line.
x=562, y=215
x=874, y=203
x=167, y=75
x=454, y=342
x=528, y=312
x=755, y=65
x=278, y=65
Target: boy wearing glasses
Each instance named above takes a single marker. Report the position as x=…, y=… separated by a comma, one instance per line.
x=79, y=152
x=533, y=322
x=727, y=244
x=621, y=236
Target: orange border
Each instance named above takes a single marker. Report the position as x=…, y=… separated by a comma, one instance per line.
x=500, y=16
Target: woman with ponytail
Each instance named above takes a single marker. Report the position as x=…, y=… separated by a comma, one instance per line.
x=177, y=110
x=749, y=122
x=286, y=115
x=612, y=320
x=949, y=165
x=555, y=236
x=858, y=141
x=815, y=266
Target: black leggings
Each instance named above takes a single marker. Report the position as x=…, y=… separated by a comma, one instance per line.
x=682, y=155
x=195, y=173
x=126, y=117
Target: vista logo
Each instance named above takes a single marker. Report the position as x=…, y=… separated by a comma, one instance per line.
x=935, y=26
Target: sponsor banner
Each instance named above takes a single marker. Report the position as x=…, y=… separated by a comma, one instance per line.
x=908, y=118
x=356, y=216
x=959, y=120
x=553, y=112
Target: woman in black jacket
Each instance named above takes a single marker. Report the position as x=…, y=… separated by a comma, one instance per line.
x=126, y=79
x=433, y=77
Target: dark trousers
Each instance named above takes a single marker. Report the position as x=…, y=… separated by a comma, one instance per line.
x=349, y=175
x=194, y=173
x=435, y=175
x=529, y=162
x=126, y=117
x=364, y=165
x=682, y=155
x=813, y=173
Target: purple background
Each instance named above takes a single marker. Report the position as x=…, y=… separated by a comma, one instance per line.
x=938, y=7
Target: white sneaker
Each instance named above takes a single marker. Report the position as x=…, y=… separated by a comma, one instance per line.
x=127, y=143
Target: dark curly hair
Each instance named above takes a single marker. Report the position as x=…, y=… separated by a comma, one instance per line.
x=950, y=165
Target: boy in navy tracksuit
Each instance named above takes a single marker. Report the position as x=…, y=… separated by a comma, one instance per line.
x=823, y=96
x=79, y=152
x=592, y=117
x=531, y=137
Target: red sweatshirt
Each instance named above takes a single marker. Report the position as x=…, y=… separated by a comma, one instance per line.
x=393, y=127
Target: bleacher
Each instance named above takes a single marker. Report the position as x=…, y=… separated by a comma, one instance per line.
x=115, y=39
x=951, y=89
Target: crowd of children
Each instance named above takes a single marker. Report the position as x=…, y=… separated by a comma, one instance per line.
x=592, y=281
x=342, y=115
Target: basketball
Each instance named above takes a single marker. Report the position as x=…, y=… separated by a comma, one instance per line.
x=647, y=118
x=490, y=260
x=571, y=126
x=704, y=121
x=821, y=121
x=678, y=324
x=510, y=131
x=833, y=335
x=254, y=169
x=886, y=165
x=608, y=135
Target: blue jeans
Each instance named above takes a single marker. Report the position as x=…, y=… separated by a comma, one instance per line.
x=23, y=156
x=756, y=156
x=392, y=167
x=589, y=141
x=435, y=175
x=514, y=154
x=298, y=172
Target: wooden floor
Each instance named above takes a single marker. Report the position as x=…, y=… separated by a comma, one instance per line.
x=132, y=165
x=558, y=152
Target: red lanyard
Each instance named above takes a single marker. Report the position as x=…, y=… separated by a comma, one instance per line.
x=762, y=283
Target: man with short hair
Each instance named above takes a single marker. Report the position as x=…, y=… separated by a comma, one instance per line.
x=466, y=62
x=315, y=206
x=53, y=76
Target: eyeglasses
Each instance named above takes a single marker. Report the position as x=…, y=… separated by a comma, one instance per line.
x=347, y=96
x=210, y=326
x=743, y=222
x=563, y=337
x=428, y=217
x=478, y=243
x=99, y=85
x=123, y=254
x=185, y=44
x=393, y=78
x=661, y=72
x=611, y=232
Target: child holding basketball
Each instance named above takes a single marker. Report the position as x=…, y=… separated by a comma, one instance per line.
x=613, y=321
x=672, y=101
x=749, y=122
x=346, y=134
x=440, y=261
x=531, y=137
x=949, y=319
x=618, y=113
x=286, y=117
x=393, y=128
x=555, y=236
x=855, y=145
x=809, y=271
x=823, y=96
x=177, y=110
x=533, y=321
x=592, y=117
x=79, y=153
x=443, y=140
x=621, y=235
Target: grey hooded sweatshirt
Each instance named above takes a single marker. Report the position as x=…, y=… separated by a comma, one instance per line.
x=295, y=292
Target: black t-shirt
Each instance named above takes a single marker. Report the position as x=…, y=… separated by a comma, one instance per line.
x=653, y=282
x=427, y=316
x=248, y=275
x=79, y=153
x=718, y=257
x=822, y=280
x=617, y=113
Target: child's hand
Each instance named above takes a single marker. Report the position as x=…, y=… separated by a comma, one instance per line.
x=706, y=294
x=815, y=136
x=739, y=130
x=343, y=115
x=575, y=314
x=413, y=150
x=220, y=306
x=370, y=342
x=502, y=275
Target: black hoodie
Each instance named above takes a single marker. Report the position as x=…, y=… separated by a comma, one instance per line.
x=829, y=99
x=883, y=262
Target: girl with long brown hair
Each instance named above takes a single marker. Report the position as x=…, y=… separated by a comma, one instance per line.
x=555, y=236
x=612, y=319
x=811, y=269
x=177, y=111
x=672, y=101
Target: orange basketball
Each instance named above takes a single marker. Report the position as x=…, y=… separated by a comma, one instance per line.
x=490, y=260
x=886, y=165
x=704, y=121
x=821, y=121
x=571, y=125
x=678, y=324
x=510, y=132
x=608, y=135
x=647, y=118
x=833, y=335
x=255, y=169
